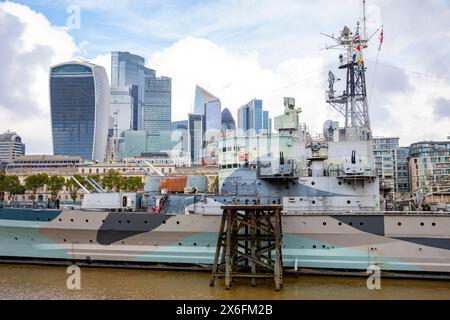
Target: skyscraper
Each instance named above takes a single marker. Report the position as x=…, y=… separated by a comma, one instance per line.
x=11, y=146
x=252, y=119
x=79, y=100
x=196, y=129
x=228, y=122
x=157, y=107
x=129, y=70
x=121, y=110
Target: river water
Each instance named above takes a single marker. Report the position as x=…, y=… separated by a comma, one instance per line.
x=49, y=282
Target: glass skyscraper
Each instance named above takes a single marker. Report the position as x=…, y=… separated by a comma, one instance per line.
x=252, y=119
x=129, y=70
x=157, y=104
x=79, y=103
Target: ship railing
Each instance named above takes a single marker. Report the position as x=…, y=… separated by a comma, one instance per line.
x=369, y=213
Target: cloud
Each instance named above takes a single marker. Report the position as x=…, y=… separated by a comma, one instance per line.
x=29, y=45
x=442, y=107
x=236, y=78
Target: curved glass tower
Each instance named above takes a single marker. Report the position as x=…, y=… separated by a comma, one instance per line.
x=79, y=100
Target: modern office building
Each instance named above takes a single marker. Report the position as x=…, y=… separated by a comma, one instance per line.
x=196, y=130
x=129, y=70
x=79, y=101
x=210, y=107
x=174, y=143
x=157, y=106
x=401, y=170
x=121, y=110
x=384, y=157
x=429, y=167
x=228, y=122
x=11, y=146
x=252, y=119
x=182, y=124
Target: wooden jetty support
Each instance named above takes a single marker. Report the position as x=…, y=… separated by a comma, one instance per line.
x=249, y=244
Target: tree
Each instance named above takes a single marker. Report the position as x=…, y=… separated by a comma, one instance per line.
x=73, y=187
x=12, y=185
x=55, y=185
x=112, y=181
x=132, y=184
x=35, y=182
x=2, y=187
x=215, y=185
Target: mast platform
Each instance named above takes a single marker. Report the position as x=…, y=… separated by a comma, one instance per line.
x=249, y=245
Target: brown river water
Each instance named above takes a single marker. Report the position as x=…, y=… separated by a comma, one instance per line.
x=49, y=282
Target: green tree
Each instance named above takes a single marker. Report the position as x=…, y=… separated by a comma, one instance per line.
x=2, y=187
x=132, y=184
x=215, y=185
x=73, y=187
x=35, y=182
x=12, y=185
x=55, y=185
x=112, y=181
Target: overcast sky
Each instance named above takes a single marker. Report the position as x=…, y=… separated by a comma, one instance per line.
x=238, y=50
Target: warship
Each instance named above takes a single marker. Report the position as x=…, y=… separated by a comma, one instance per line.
x=326, y=185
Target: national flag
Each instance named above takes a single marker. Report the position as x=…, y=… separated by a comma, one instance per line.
x=381, y=39
x=357, y=37
x=358, y=48
x=360, y=61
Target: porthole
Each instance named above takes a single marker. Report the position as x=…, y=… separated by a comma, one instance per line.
x=350, y=223
x=145, y=221
x=91, y=241
x=71, y=220
x=323, y=246
x=178, y=222
x=434, y=224
x=37, y=219
x=60, y=220
x=314, y=247
x=399, y=224
x=195, y=244
x=15, y=238
x=348, y=202
x=103, y=221
x=64, y=240
x=87, y=220
x=340, y=223
x=128, y=221
x=123, y=242
x=120, y=221
x=313, y=202
x=179, y=243
x=340, y=183
x=164, y=222
x=313, y=183
x=324, y=223
x=361, y=223
x=422, y=224
x=48, y=219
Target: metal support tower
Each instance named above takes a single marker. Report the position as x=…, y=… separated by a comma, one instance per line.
x=352, y=103
x=249, y=245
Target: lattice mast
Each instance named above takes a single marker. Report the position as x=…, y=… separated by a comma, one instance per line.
x=352, y=103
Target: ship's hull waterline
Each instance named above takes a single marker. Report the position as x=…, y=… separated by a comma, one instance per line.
x=416, y=244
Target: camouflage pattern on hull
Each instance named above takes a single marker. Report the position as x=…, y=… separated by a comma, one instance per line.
x=352, y=242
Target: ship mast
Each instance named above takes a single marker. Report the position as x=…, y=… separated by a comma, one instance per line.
x=352, y=103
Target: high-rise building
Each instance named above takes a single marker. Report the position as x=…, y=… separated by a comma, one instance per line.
x=196, y=130
x=121, y=110
x=228, y=122
x=129, y=70
x=11, y=146
x=401, y=170
x=79, y=100
x=210, y=107
x=157, y=107
x=384, y=157
x=429, y=165
x=252, y=119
